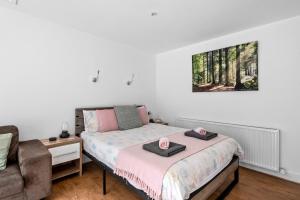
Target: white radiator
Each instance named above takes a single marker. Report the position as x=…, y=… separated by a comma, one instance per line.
x=261, y=145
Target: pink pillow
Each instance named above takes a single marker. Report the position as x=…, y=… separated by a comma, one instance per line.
x=143, y=113
x=107, y=120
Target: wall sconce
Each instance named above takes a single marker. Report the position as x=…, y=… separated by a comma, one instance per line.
x=95, y=79
x=131, y=80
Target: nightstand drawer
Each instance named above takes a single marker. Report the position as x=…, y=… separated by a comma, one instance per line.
x=65, y=153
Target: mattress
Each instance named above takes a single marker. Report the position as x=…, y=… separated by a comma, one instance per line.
x=182, y=178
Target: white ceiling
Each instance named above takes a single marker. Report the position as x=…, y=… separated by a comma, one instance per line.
x=179, y=22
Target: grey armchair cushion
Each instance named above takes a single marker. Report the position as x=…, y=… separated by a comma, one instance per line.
x=127, y=117
x=11, y=181
x=31, y=177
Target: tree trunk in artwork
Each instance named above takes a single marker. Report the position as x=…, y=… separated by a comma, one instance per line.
x=203, y=61
x=226, y=67
x=256, y=59
x=212, y=67
x=207, y=67
x=220, y=66
x=238, y=84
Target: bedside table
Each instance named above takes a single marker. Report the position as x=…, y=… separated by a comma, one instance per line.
x=66, y=156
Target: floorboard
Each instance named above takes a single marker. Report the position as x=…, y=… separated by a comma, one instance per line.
x=252, y=185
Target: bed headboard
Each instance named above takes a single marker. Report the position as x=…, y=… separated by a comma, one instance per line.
x=79, y=122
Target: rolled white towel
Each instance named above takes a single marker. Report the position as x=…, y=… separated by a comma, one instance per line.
x=200, y=130
x=164, y=143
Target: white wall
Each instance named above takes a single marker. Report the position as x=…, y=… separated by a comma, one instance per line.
x=45, y=69
x=276, y=104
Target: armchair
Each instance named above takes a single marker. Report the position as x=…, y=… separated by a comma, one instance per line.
x=28, y=173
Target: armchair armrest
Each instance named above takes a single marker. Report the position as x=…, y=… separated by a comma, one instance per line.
x=36, y=169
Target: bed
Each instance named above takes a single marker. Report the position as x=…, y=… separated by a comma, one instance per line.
x=186, y=179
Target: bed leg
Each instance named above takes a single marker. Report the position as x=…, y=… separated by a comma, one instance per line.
x=230, y=186
x=236, y=176
x=104, y=181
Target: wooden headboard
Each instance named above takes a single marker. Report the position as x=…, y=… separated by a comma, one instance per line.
x=79, y=121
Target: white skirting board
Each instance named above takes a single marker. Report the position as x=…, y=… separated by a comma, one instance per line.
x=290, y=176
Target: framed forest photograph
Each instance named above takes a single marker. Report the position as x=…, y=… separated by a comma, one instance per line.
x=233, y=68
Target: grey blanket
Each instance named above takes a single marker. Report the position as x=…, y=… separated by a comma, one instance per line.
x=173, y=149
x=208, y=135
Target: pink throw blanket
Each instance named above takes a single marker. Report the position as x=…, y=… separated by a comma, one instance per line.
x=146, y=170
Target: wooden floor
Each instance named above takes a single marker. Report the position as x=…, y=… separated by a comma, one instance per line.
x=252, y=185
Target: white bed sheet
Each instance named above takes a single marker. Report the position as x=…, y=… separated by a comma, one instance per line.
x=182, y=178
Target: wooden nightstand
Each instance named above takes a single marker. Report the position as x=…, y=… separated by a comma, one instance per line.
x=66, y=156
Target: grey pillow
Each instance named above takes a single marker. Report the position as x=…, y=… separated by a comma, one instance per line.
x=128, y=117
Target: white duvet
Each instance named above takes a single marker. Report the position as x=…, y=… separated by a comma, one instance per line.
x=182, y=178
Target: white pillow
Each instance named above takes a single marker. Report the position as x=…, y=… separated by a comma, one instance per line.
x=90, y=120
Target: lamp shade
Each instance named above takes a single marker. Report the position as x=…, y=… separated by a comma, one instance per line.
x=65, y=126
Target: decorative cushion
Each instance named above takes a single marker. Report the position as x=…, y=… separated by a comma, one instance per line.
x=5, y=140
x=107, y=120
x=14, y=144
x=90, y=120
x=143, y=113
x=128, y=117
